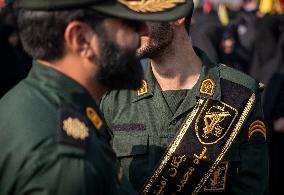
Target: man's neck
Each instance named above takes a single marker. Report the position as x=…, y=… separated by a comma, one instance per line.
x=178, y=67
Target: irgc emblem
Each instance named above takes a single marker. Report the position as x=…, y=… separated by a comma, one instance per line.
x=214, y=121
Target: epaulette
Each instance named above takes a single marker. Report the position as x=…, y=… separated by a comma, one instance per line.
x=72, y=128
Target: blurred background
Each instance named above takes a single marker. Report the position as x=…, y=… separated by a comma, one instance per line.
x=245, y=34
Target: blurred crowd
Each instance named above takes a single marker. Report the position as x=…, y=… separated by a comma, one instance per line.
x=14, y=61
x=249, y=35
x=245, y=34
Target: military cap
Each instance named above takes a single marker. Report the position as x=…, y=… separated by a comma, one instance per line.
x=152, y=10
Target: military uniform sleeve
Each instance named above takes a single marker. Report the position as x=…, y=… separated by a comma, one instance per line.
x=252, y=172
x=52, y=173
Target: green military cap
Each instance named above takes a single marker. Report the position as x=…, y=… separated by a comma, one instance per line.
x=152, y=10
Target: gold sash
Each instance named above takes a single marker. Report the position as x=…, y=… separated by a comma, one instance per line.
x=199, y=146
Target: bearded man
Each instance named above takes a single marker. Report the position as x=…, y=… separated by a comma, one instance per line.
x=53, y=135
x=194, y=126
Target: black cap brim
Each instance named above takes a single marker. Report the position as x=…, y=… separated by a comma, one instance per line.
x=151, y=10
x=119, y=10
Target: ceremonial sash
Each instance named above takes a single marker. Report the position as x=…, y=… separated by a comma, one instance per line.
x=201, y=142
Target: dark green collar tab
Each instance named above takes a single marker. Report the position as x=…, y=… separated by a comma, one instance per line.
x=148, y=84
x=162, y=10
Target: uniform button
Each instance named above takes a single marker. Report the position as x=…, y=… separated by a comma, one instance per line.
x=174, y=122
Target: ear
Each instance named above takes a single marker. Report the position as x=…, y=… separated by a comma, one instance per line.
x=179, y=22
x=78, y=37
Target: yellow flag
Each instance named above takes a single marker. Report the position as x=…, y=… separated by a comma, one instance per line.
x=223, y=14
x=266, y=6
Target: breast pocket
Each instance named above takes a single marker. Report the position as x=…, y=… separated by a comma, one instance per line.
x=131, y=146
x=130, y=140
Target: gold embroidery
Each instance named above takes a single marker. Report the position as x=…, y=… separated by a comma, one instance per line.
x=144, y=89
x=171, y=173
x=75, y=128
x=94, y=117
x=191, y=169
x=207, y=87
x=212, y=122
x=257, y=126
x=237, y=128
x=173, y=147
x=214, y=117
x=150, y=5
x=219, y=177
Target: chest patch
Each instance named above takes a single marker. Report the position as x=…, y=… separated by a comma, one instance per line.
x=212, y=122
x=217, y=180
x=128, y=127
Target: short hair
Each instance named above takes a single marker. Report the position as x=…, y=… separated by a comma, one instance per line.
x=42, y=32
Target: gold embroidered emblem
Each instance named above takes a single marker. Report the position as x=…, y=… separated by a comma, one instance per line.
x=150, y=5
x=144, y=89
x=257, y=127
x=217, y=120
x=75, y=128
x=94, y=117
x=207, y=87
x=218, y=178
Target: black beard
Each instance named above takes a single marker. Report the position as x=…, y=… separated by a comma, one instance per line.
x=119, y=68
x=160, y=38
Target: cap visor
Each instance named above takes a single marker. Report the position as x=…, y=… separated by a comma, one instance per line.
x=121, y=11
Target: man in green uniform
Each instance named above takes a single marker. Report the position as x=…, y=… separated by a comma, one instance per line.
x=193, y=127
x=54, y=138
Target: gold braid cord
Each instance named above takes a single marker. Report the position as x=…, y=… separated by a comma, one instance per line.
x=150, y=5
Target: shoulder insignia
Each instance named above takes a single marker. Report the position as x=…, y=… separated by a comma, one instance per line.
x=145, y=6
x=207, y=87
x=75, y=128
x=257, y=127
x=217, y=181
x=94, y=117
x=72, y=128
x=144, y=89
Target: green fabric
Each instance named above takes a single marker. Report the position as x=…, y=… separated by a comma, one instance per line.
x=33, y=160
x=248, y=171
x=174, y=98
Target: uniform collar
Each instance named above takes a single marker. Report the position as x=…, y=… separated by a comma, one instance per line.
x=210, y=74
x=54, y=81
x=150, y=81
x=65, y=91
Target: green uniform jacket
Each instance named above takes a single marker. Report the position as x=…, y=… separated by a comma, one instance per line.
x=144, y=125
x=48, y=144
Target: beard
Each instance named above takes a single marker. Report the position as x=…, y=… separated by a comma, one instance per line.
x=160, y=37
x=120, y=68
